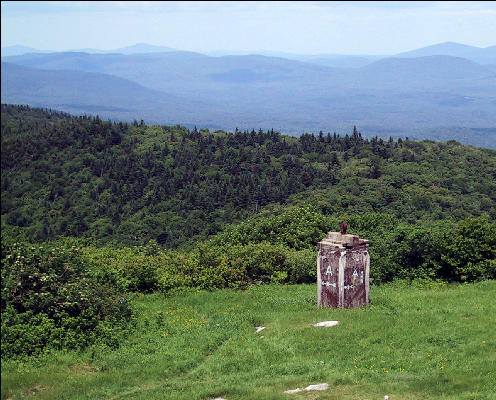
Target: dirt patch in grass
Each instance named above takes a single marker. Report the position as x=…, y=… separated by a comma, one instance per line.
x=84, y=368
x=35, y=389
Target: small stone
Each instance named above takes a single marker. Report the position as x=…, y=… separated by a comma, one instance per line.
x=386, y=397
x=327, y=323
x=259, y=329
x=291, y=391
x=319, y=386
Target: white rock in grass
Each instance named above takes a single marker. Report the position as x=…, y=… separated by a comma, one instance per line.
x=386, y=397
x=291, y=391
x=327, y=323
x=319, y=386
x=260, y=329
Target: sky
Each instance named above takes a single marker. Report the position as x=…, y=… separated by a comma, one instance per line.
x=334, y=27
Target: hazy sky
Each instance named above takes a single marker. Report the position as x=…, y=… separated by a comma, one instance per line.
x=298, y=27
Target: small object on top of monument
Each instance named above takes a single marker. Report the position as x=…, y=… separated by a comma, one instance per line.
x=343, y=268
x=343, y=227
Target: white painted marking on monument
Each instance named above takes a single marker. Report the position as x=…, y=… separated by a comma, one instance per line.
x=349, y=287
x=361, y=276
x=328, y=284
x=355, y=274
x=329, y=271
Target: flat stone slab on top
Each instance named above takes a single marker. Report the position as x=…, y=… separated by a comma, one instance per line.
x=347, y=240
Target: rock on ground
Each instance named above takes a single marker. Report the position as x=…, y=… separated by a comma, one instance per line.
x=327, y=323
x=291, y=391
x=319, y=386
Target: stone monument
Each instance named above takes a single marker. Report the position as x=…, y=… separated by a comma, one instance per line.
x=343, y=267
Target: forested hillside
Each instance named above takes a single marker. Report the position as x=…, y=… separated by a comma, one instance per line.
x=93, y=211
x=81, y=176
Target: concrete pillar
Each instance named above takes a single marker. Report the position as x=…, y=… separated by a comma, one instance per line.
x=343, y=269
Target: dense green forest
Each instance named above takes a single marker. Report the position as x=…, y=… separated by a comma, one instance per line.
x=81, y=176
x=94, y=210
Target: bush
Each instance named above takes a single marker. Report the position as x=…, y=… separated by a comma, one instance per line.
x=301, y=265
x=462, y=252
x=143, y=269
x=298, y=228
x=52, y=298
x=208, y=266
x=468, y=251
x=258, y=262
x=406, y=252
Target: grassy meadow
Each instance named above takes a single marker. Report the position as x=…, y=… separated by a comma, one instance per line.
x=432, y=341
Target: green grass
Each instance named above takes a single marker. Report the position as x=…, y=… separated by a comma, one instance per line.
x=413, y=342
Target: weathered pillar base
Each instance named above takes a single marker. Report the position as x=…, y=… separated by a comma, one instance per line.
x=343, y=269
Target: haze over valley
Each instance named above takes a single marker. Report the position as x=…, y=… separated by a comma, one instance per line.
x=445, y=91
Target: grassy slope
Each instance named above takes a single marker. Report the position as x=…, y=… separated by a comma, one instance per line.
x=434, y=342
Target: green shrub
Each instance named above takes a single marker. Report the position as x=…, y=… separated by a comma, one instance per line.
x=297, y=227
x=142, y=269
x=301, y=265
x=468, y=251
x=462, y=252
x=129, y=268
x=52, y=298
x=405, y=252
x=175, y=269
x=258, y=262
x=25, y=333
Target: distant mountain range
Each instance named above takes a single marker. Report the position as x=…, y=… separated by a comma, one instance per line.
x=87, y=92
x=480, y=55
x=137, y=48
x=407, y=95
x=17, y=50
